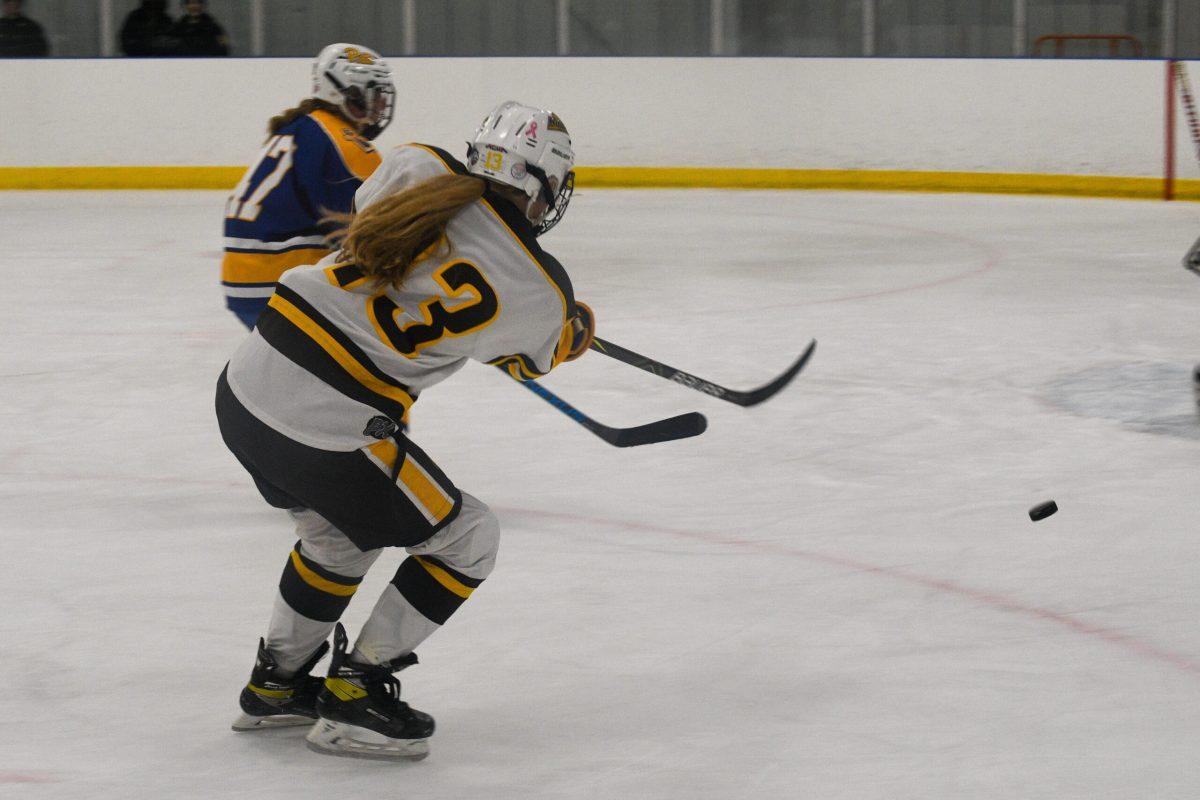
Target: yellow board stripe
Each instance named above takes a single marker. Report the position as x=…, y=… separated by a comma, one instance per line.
x=266, y=267
x=317, y=582
x=879, y=180
x=657, y=178
x=120, y=177
x=445, y=578
x=339, y=353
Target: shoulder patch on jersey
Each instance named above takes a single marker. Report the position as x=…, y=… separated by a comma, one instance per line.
x=359, y=155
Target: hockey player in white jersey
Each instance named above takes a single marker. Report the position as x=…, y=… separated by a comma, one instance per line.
x=440, y=264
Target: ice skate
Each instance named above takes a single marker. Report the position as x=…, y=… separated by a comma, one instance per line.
x=272, y=701
x=361, y=714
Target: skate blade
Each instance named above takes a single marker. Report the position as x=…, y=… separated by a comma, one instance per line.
x=351, y=741
x=249, y=722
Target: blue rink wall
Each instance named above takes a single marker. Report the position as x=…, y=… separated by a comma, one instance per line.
x=1078, y=127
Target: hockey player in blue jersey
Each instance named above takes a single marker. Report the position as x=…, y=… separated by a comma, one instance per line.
x=315, y=158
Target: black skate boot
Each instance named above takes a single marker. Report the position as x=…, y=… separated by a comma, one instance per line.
x=272, y=701
x=361, y=714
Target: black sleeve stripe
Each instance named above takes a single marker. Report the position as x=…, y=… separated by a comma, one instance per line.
x=299, y=347
x=526, y=367
x=339, y=335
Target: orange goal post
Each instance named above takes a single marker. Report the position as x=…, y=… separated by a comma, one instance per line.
x=1115, y=40
x=1178, y=85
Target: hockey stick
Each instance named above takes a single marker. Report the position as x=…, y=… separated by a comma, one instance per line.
x=1191, y=261
x=664, y=430
x=1189, y=104
x=749, y=398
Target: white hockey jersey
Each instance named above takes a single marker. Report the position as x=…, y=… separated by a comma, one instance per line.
x=333, y=351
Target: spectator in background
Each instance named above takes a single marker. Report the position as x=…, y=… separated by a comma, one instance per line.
x=20, y=37
x=147, y=31
x=198, y=34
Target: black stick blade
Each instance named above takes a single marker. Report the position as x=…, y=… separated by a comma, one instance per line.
x=683, y=426
x=667, y=372
x=664, y=430
x=762, y=393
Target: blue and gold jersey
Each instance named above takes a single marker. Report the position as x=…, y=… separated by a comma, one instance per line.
x=312, y=166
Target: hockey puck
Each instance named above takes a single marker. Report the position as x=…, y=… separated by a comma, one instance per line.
x=1043, y=510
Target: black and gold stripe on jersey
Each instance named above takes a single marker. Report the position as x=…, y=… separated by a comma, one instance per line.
x=313, y=591
x=432, y=588
x=292, y=326
x=520, y=366
x=524, y=368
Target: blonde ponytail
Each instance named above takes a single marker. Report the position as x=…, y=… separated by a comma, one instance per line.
x=385, y=238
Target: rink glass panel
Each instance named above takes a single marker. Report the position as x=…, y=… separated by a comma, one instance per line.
x=916, y=28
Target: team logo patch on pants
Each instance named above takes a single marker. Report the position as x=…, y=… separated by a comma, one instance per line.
x=380, y=428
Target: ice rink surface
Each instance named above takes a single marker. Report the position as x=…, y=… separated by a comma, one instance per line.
x=837, y=594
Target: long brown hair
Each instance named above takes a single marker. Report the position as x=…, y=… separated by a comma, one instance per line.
x=307, y=106
x=384, y=239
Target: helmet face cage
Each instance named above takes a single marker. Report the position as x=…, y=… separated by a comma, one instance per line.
x=371, y=104
x=379, y=103
x=557, y=202
x=356, y=80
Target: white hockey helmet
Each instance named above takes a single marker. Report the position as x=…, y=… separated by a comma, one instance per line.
x=529, y=149
x=359, y=82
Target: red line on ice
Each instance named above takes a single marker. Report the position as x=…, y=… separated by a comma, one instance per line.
x=987, y=598
x=990, y=260
x=28, y=777
x=945, y=586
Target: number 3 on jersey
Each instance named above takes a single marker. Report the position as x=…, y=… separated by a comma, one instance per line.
x=246, y=200
x=460, y=279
